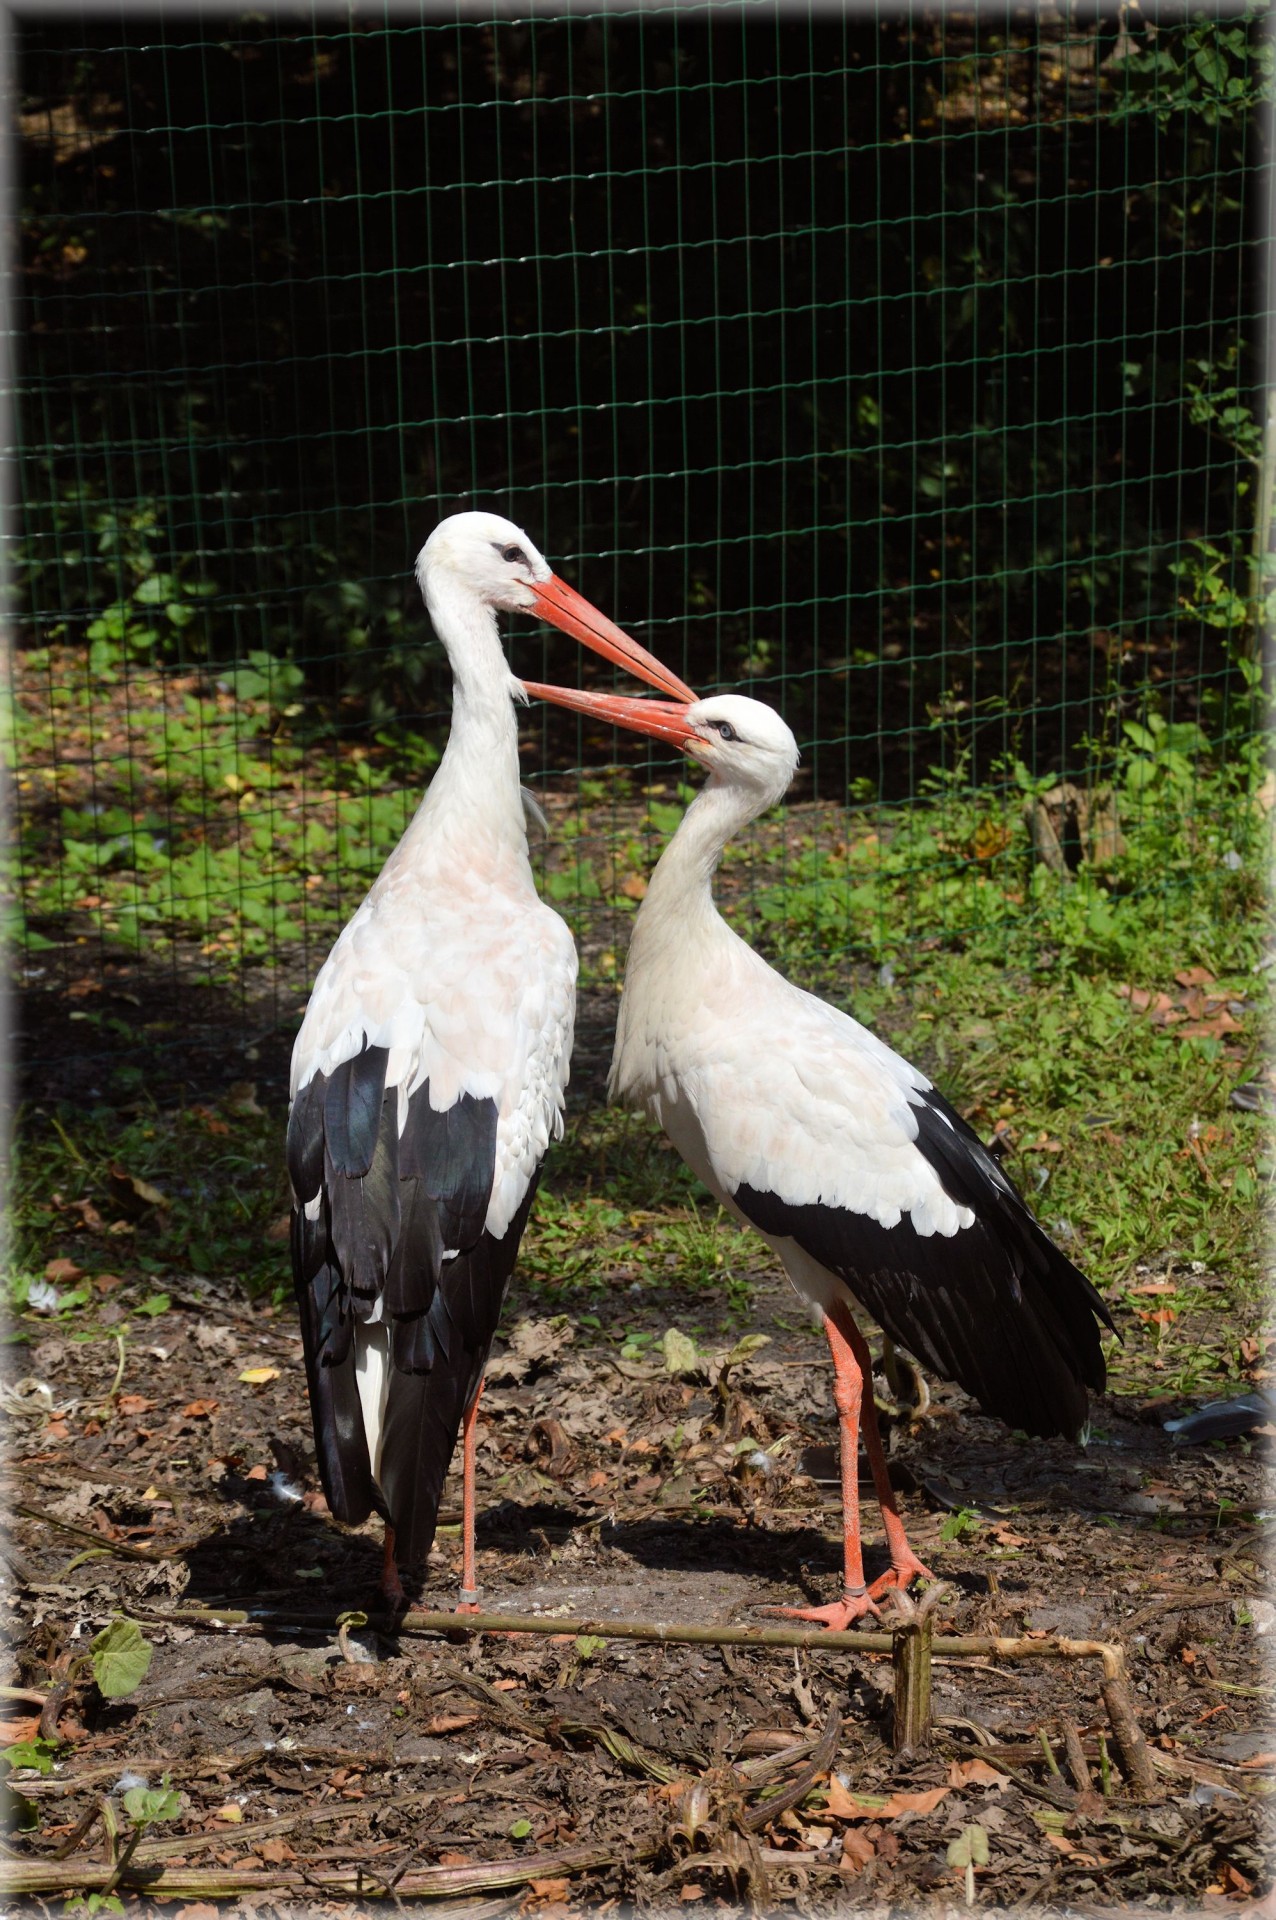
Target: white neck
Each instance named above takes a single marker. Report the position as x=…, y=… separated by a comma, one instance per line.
x=680, y=893
x=478, y=777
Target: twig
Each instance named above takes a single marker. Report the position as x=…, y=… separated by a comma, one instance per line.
x=663, y=1633
x=1077, y=1767
x=820, y=1762
x=1176, y=1603
x=115, y=1549
x=185, y=1883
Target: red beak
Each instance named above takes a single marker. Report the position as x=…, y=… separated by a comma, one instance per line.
x=563, y=607
x=662, y=719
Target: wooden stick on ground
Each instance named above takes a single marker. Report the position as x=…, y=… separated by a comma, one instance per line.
x=1132, y=1748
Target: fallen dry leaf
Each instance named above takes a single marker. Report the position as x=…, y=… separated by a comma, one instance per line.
x=974, y=1773
x=132, y=1193
x=544, y=1892
x=63, y=1272
x=131, y=1403
x=200, y=1409
x=857, y=1851
x=258, y=1376
x=849, y=1806
x=12, y=1731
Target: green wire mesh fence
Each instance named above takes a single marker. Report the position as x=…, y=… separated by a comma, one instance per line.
x=900, y=366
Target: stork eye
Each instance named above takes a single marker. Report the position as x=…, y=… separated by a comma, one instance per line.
x=514, y=555
x=725, y=729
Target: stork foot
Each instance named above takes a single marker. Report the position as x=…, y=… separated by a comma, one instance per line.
x=900, y=1574
x=837, y=1616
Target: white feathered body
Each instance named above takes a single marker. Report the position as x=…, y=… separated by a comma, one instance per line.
x=455, y=965
x=868, y=1185
x=428, y=1079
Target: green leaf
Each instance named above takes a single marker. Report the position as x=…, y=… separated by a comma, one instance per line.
x=969, y=1849
x=742, y=1349
x=156, y=588
x=37, y=1754
x=959, y=1524
x=680, y=1351
x=588, y=1644
x=155, y=1303
x=121, y=1658
x=145, y=1804
x=520, y=1829
x=1211, y=65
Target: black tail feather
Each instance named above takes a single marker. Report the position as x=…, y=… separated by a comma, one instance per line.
x=399, y=1236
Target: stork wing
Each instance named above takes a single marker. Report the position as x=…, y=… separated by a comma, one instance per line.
x=821, y=1136
x=426, y=1094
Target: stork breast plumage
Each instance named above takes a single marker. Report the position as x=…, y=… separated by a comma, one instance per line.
x=474, y=995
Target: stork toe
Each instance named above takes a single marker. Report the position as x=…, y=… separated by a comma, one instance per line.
x=838, y=1616
x=900, y=1574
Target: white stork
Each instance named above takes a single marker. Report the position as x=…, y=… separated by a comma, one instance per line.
x=428, y=1075
x=853, y=1168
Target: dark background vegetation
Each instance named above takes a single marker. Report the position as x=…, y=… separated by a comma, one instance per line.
x=854, y=356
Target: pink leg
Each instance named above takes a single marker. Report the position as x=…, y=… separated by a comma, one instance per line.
x=469, y=1577
x=905, y=1566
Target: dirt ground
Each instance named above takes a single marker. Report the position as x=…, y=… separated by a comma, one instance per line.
x=611, y=1489
x=315, y=1764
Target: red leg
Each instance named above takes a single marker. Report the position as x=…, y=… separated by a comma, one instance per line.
x=469, y=1578
x=849, y=1377
x=391, y=1585
x=905, y=1566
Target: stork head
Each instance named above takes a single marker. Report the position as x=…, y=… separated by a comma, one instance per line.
x=744, y=743
x=485, y=556
x=480, y=558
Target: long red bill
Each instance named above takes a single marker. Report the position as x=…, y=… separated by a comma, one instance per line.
x=662, y=719
x=563, y=607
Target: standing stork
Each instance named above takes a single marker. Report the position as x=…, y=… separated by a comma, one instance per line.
x=853, y=1168
x=428, y=1075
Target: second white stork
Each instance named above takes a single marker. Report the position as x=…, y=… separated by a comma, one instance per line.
x=869, y=1186
x=429, y=1073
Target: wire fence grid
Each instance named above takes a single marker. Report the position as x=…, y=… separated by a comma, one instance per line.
x=899, y=366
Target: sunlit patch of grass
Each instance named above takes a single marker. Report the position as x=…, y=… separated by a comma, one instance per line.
x=140, y=1200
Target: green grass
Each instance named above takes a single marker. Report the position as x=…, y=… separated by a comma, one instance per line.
x=1099, y=1019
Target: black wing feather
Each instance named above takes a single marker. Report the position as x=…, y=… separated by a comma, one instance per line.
x=995, y=1306
x=352, y=1109
x=426, y=1407
x=400, y=1234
